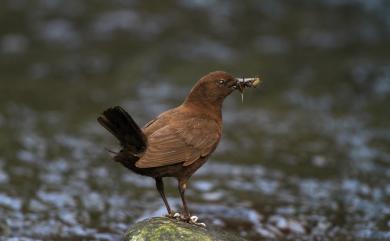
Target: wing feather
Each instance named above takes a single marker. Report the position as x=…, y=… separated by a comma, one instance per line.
x=180, y=142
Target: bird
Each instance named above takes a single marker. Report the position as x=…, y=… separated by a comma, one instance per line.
x=178, y=141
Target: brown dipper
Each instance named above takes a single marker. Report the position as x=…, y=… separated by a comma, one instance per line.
x=178, y=141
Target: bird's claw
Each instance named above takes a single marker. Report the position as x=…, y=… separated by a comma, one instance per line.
x=203, y=225
x=177, y=216
x=194, y=220
x=191, y=220
x=173, y=215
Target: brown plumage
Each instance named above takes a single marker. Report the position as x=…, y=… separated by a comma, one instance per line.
x=178, y=141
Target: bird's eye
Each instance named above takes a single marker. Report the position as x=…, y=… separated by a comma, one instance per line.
x=221, y=82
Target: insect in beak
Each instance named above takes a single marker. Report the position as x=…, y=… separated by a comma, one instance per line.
x=243, y=83
x=241, y=88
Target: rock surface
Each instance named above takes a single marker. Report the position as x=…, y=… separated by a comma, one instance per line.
x=166, y=229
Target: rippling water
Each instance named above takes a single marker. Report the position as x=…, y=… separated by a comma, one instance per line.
x=306, y=156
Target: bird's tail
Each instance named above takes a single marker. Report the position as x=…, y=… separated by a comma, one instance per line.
x=117, y=121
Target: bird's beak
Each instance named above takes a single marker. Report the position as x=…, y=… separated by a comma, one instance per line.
x=243, y=83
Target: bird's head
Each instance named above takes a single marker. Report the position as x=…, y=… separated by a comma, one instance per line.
x=214, y=87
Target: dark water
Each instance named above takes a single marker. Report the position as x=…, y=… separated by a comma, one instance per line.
x=306, y=157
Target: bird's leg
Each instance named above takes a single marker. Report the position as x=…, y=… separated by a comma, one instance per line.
x=187, y=216
x=182, y=189
x=160, y=188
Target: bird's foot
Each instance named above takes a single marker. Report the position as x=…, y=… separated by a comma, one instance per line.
x=194, y=220
x=173, y=215
x=187, y=219
x=177, y=216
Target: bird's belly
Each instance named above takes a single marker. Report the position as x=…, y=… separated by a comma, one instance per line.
x=175, y=170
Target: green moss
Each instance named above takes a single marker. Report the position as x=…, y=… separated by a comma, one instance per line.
x=164, y=229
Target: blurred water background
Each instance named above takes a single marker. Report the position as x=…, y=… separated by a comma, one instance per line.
x=305, y=157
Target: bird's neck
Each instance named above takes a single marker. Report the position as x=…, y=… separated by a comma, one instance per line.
x=207, y=106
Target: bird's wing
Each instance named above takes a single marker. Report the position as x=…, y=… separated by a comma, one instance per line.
x=180, y=142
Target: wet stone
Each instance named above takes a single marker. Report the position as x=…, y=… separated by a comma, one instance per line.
x=165, y=229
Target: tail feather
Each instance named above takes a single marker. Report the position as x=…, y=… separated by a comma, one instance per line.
x=117, y=121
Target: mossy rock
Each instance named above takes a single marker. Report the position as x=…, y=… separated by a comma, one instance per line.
x=166, y=229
